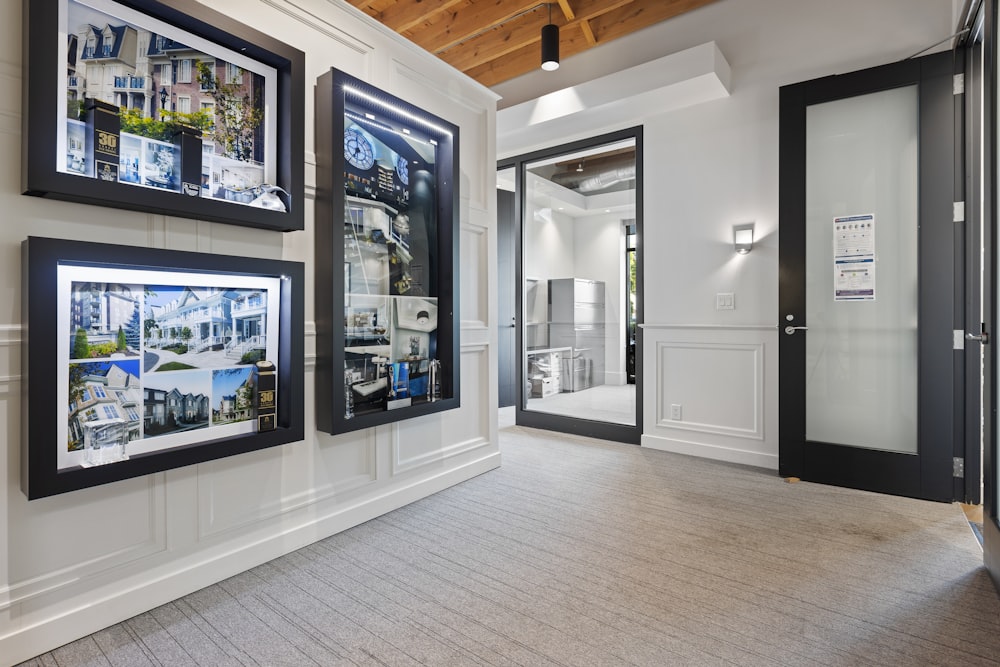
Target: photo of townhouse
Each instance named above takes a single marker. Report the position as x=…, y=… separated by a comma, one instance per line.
x=101, y=390
x=175, y=402
x=158, y=83
x=104, y=320
x=203, y=327
x=233, y=393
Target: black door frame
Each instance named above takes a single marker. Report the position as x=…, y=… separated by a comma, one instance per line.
x=972, y=109
x=506, y=300
x=900, y=474
x=560, y=423
x=991, y=496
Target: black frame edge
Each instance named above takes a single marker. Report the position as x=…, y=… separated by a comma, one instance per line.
x=39, y=111
x=585, y=427
x=329, y=253
x=41, y=257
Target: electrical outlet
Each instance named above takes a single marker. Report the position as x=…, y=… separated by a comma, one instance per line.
x=675, y=411
x=725, y=301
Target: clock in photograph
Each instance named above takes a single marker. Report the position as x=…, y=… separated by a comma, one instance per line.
x=403, y=170
x=358, y=150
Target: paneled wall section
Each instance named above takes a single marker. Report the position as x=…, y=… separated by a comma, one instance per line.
x=72, y=564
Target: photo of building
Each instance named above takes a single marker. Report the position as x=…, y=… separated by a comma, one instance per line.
x=203, y=327
x=103, y=390
x=179, y=402
x=157, y=82
x=108, y=317
x=233, y=391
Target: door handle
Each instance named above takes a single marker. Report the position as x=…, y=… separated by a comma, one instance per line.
x=983, y=338
x=790, y=330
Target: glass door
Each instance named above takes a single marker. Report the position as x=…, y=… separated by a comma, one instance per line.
x=580, y=298
x=867, y=280
x=630, y=300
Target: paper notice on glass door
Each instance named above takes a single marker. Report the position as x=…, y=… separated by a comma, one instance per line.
x=854, y=258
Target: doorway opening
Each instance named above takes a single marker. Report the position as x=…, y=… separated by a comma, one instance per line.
x=578, y=224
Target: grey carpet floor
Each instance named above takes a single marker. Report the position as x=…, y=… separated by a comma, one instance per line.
x=581, y=552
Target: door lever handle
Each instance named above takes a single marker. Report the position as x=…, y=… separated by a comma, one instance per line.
x=791, y=330
x=983, y=338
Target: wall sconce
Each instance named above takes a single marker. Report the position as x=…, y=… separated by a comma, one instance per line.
x=743, y=237
x=550, y=44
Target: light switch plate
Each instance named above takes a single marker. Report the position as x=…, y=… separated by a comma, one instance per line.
x=725, y=301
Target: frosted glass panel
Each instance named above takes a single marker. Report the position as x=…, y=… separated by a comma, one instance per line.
x=861, y=276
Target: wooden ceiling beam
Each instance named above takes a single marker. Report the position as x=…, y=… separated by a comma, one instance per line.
x=462, y=22
x=401, y=16
x=363, y=5
x=526, y=59
x=640, y=14
x=567, y=10
x=496, y=40
x=521, y=32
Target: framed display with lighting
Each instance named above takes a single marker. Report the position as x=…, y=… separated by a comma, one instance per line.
x=170, y=108
x=387, y=343
x=141, y=360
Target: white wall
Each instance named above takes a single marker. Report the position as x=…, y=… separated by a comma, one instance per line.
x=74, y=563
x=599, y=250
x=713, y=165
x=557, y=245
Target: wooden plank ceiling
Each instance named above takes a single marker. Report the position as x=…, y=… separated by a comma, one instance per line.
x=496, y=40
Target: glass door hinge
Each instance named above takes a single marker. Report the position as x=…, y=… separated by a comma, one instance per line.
x=958, y=84
x=958, y=211
x=958, y=467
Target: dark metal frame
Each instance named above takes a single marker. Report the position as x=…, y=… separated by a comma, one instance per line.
x=329, y=248
x=41, y=258
x=991, y=361
x=41, y=103
x=929, y=475
x=586, y=427
x=968, y=188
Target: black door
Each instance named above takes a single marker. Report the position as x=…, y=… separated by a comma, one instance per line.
x=991, y=291
x=506, y=297
x=870, y=288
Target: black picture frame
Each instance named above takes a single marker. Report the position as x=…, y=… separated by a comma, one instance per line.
x=45, y=77
x=42, y=474
x=394, y=128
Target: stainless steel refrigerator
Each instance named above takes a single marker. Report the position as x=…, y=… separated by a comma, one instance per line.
x=576, y=320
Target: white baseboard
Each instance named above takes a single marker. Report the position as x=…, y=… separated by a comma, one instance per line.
x=615, y=377
x=195, y=571
x=714, y=452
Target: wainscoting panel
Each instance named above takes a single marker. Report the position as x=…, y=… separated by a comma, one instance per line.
x=427, y=440
x=281, y=479
x=712, y=387
x=132, y=526
x=712, y=391
x=473, y=288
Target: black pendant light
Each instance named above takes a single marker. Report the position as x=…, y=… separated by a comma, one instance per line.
x=550, y=45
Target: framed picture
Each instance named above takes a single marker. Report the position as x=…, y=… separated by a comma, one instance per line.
x=387, y=335
x=167, y=108
x=141, y=360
